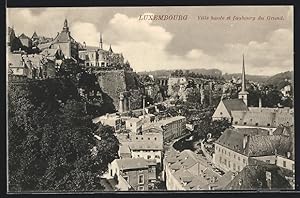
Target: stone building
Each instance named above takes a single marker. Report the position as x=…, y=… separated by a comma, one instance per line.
x=100, y=58
x=135, y=174
x=65, y=42
x=235, y=147
x=188, y=171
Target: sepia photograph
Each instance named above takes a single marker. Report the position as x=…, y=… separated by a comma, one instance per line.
x=150, y=98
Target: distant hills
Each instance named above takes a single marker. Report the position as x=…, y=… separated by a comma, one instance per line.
x=210, y=72
x=255, y=78
x=281, y=79
x=276, y=80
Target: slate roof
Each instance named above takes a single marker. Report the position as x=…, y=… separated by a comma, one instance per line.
x=23, y=36
x=257, y=145
x=192, y=179
x=34, y=35
x=235, y=105
x=132, y=163
x=253, y=177
x=44, y=45
x=146, y=145
x=263, y=118
x=169, y=120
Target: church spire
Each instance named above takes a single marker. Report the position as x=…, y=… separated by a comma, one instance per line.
x=110, y=49
x=101, y=41
x=243, y=76
x=243, y=94
x=66, y=28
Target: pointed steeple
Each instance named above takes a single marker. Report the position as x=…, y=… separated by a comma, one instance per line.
x=34, y=35
x=66, y=28
x=243, y=76
x=110, y=49
x=101, y=41
x=243, y=94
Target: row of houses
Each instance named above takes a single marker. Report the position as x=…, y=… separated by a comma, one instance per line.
x=244, y=159
x=141, y=148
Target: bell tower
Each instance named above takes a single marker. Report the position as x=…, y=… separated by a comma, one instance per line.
x=243, y=94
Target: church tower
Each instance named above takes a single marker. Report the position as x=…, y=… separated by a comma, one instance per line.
x=66, y=28
x=243, y=94
x=101, y=42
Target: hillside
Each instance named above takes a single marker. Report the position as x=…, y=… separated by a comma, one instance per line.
x=255, y=78
x=211, y=72
x=279, y=80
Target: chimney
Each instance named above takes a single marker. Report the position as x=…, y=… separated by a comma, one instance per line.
x=259, y=102
x=269, y=179
x=288, y=154
x=245, y=140
x=144, y=106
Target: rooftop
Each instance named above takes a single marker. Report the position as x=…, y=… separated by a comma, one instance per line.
x=257, y=142
x=254, y=177
x=132, y=163
x=235, y=105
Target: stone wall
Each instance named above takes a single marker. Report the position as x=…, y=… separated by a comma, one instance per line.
x=115, y=82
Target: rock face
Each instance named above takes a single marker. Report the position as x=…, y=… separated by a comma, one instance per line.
x=116, y=82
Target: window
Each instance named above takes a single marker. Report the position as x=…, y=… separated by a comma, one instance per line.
x=220, y=160
x=225, y=161
x=225, y=152
x=141, y=179
x=236, y=122
x=234, y=166
x=245, y=123
x=148, y=138
x=239, y=158
x=284, y=163
x=228, y=153
x=111, y=173
x=228, y=164
x=269, y=124
x=221, y=113
x=157, y=156
x=149, y=157
x=256, y=124
x=155, y=138
x=141, y=188
x=130, y=124
x=234, y=156
x=244, y=161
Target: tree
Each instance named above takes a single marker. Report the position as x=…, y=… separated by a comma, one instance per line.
x=51, y=138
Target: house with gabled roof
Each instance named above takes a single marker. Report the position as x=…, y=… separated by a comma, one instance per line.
x=262, y=177
x=225, y=108
x=236, y=145
x=133, y=173
x=188, y=171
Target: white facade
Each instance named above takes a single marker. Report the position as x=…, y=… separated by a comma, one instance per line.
x=147, y=154
x=286, y=163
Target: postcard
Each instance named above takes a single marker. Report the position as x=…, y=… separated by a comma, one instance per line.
x=160, y=98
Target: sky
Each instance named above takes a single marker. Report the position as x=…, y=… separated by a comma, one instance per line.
x=175, y=44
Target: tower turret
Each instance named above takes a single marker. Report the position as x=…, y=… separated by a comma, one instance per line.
x=101, y=42
x=66, y=28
